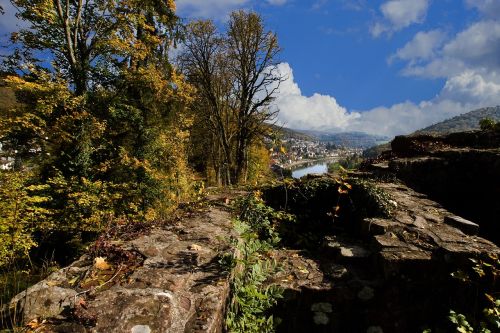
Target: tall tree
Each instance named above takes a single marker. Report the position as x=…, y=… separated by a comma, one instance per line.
x=206, y=65
x=253, y=51
x=89, y=40
x=236, y=78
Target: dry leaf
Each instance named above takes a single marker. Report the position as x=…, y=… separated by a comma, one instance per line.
x=101, y=264
x=195, y=247
x=34, y=324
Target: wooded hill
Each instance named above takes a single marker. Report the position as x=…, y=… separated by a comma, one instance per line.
x=465, y=122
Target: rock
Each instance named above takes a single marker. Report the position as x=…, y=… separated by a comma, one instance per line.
x=321, y=318
x=141, y=329
x=43, y=300
x=405, y=261
x=178, y=287
x=322, y=307
x=460, y=223
x=123, y=310
x=420, y=222
x=374, y=329
x=345, y=249
x=335, y=271
x=366, y=294
x=354, y=252
x=375, y=226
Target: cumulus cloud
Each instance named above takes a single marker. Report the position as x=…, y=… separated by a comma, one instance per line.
x=399, y=14
x=461, y=93
x=422, y=47
x=318, y=111
x=214, y=9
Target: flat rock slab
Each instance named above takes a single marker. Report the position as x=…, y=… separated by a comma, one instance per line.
x=460, y=223
x=421, y=234
x=179, y=287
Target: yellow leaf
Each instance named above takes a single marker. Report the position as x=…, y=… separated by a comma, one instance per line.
x=101, y=264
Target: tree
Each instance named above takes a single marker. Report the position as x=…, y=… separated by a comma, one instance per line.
x=90, y=40
x=253, y=52
x=236, y=79
x=206, y=65
x=105, y=123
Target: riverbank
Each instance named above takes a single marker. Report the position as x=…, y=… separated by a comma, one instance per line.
x=309, y=162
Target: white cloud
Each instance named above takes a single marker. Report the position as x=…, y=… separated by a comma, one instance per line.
x=422, y=47
x=476, y=48
x=461, y=93
x=399, y=14
x=471, y=87
x=489, y=8
x=308, y=112
x=213, y=9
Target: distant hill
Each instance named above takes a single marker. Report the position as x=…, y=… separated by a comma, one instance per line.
x=349, y=139
x=288, y=133
x=466, y=122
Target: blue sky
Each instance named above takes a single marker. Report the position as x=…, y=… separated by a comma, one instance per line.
x=383, y=67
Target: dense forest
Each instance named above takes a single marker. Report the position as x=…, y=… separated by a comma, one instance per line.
x=105, y=126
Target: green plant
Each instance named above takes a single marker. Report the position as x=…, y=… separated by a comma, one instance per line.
x=371, y=199
x=462, y=325
x=481, y=275
x=488, y=124
x=252, y=297
x=22, y=213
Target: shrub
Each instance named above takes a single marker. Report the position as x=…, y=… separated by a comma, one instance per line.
x=22, y=212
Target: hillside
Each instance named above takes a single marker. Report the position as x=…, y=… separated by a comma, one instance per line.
x=287, y=133
x=349, y=139
x=466, y=122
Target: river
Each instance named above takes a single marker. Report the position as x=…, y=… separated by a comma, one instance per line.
x=319, y=168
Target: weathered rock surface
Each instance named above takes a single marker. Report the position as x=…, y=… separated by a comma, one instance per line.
x=460, y=170
x=180, y=286
x=395, y=276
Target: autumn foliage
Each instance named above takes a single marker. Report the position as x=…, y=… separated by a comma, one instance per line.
x=100, y=131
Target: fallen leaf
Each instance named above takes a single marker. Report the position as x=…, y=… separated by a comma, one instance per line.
x=101, y=264
x=195, y=247
x=34, y=324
